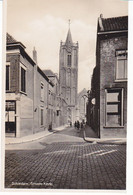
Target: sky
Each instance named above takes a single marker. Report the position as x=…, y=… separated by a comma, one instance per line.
x=43, y=24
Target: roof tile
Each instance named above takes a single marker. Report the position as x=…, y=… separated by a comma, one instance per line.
x=115, y=24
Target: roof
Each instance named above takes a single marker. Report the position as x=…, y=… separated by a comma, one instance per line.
x=82, y=93
x=48, y=72
x=42, y=73
x=112, y=24
x=69, y=37
x=10, y=39
x=69, y=42
x=13, y=44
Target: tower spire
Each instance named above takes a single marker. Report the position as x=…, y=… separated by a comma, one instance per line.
x=69, y=22
x=69, y=37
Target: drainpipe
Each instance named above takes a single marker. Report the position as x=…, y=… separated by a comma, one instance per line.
x=35, y=109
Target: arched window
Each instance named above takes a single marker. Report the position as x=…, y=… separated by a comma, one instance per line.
x=69, y=60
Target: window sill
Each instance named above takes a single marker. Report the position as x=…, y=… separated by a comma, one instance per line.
x=9, y=91
x=113, y=126
x=23, y=92
x=124, y=80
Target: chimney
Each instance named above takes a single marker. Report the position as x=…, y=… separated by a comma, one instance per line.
x=101, y=15
x=100, y=22
x=35, y=55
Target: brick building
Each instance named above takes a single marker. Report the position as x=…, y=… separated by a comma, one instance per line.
x=108, y=96
x=26, y=92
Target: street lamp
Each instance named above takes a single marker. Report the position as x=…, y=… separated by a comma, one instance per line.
x=89, y=94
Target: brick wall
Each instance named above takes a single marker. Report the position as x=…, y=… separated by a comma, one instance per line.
x=14, y=71
x=108, y=47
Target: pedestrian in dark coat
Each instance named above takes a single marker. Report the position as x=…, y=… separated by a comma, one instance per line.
x=81, y=125
x=78, y=125
x=75, y=124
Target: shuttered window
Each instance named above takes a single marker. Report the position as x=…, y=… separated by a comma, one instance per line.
x=114, y=107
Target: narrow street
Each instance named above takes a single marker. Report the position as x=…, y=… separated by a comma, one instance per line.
x=63, y=160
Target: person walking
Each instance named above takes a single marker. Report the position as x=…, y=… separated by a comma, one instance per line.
x=75, y=124
x=81, y=125
x=78, y=125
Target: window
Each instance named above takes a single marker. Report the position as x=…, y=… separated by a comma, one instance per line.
x=10, y=105
x=50, y=98
x=41, y=117
x=121, y=65
x=114, y=107
x=42, y=92
x=69, y=60
x=23, y=80
x=57, y=112
x=7, y=77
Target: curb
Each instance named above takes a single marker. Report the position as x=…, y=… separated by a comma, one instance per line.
x=25, y=139
x=60, y=128
x=115, y=141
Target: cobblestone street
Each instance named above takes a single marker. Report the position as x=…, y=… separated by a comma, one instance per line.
x=66, y=161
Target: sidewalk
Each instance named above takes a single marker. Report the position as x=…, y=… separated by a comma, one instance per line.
x=33, y=137
x=90, y=136
x=60, y=128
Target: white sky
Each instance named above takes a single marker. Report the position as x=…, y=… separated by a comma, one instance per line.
x=44, y=23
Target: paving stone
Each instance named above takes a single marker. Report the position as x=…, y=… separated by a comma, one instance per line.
x=67, y=165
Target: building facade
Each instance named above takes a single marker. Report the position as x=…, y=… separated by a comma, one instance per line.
x=35, y=99
x=82, y=100
x=57, y=106
x=108, y=96
x=26, y=92
x=68, y=75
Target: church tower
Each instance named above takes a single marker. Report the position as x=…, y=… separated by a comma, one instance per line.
x=68, y=74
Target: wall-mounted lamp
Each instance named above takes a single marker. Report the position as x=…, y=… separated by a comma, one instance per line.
x=35, y=109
